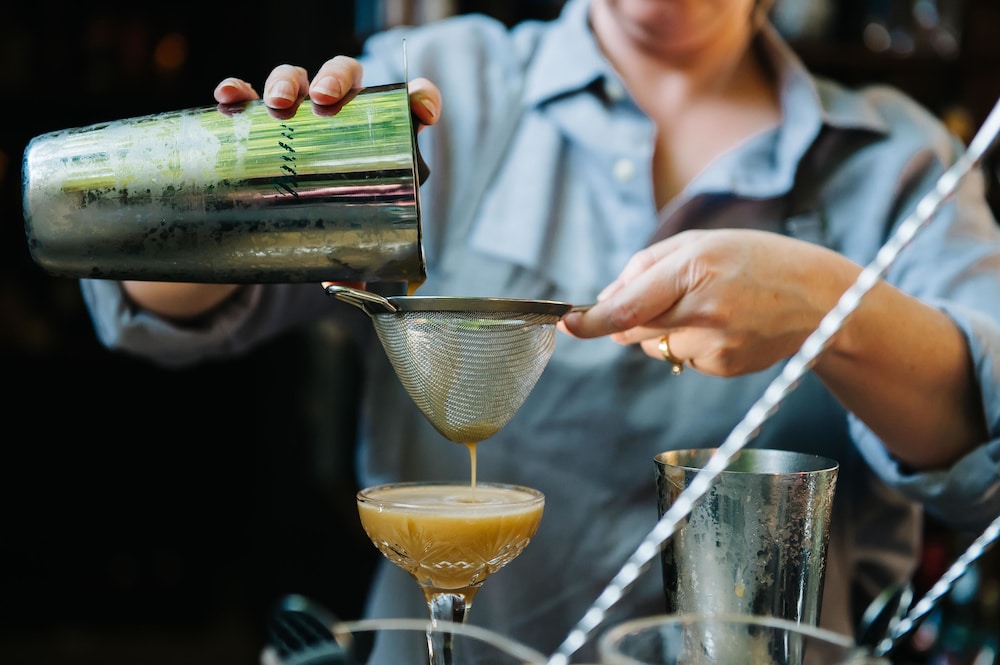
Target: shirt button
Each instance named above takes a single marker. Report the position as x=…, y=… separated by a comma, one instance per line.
x=613, y=89
x=623, y=169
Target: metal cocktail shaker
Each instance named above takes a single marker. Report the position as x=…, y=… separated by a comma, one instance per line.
x=756, y=543
x=233, y=194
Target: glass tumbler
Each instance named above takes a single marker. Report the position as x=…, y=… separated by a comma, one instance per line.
x=701, y=639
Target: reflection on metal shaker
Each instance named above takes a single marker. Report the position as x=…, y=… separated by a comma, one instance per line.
x=233, y=194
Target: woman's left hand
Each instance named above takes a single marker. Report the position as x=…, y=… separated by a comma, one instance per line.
x=728, y=301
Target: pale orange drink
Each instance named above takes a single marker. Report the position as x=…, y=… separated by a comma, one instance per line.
x=450, y=536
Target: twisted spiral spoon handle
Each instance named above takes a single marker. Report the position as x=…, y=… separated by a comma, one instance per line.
x=780, y=387
x=941, y=588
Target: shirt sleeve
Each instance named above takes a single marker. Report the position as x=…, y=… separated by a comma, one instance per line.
x=966, y=495
x=254, y=313
x=953, y=264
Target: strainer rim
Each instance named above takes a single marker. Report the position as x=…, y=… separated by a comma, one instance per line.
x=478, y=304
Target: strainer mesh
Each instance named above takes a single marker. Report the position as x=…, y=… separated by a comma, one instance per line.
x=469, y=372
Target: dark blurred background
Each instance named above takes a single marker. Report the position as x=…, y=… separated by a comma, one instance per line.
x=155, y=516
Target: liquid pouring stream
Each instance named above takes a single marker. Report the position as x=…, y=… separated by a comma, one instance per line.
x=781, y=387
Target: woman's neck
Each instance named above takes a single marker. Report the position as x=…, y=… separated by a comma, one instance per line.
x=695, y=74
x=667, y=56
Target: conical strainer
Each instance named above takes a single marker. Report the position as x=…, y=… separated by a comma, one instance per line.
x=467, y=362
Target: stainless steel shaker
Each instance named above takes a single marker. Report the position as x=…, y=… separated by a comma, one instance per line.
x=756, y=543
x=233, y=194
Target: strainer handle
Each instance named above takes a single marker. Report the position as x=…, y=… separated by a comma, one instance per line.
x=359, y=298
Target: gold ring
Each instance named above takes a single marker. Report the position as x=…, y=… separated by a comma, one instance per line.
x=676, y=364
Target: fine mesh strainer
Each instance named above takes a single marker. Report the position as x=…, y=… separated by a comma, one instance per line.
x=467, y=362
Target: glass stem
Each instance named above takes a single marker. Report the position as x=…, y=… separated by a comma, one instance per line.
x=444, y=607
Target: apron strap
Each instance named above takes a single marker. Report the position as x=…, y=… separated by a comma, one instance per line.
x=806, y=216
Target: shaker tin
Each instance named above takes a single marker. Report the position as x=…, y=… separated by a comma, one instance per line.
x=233, y=194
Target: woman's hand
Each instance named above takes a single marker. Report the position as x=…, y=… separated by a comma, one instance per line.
x=729, y=301
x=288, y=85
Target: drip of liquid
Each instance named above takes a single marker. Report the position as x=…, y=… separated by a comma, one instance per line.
x=472, y=462
x=411, y=287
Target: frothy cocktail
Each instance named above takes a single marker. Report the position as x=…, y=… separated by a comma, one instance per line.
x=450, y=536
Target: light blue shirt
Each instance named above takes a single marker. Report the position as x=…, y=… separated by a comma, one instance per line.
x=541, y=187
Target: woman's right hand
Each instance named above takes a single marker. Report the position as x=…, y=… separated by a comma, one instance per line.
x=285, y=88
x=288, y=85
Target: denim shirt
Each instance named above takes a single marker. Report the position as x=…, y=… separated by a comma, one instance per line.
x=541, y=187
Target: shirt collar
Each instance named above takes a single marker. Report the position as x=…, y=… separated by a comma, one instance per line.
x=797, y=83
x=568, y=59
x=765, y=166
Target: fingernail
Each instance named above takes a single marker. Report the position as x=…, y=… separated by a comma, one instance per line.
x=229, y=83
x=328, y=86
x=283, y=90
x=429, y=107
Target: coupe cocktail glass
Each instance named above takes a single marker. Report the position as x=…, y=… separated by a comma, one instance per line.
x=450, y=536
